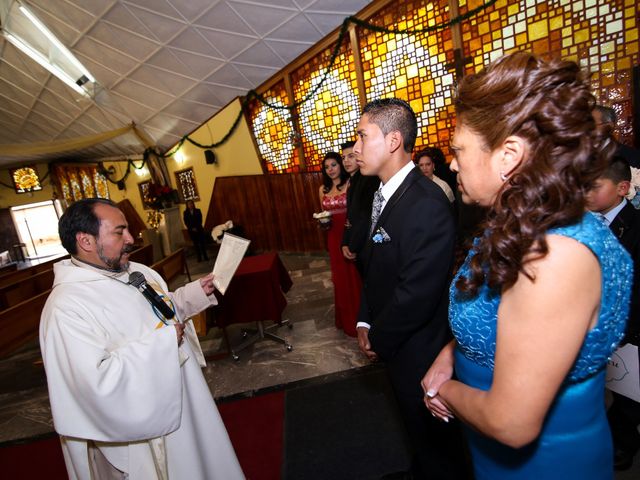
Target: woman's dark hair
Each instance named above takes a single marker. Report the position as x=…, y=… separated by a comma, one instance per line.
x=549, y=105
x=80, y=218
x=327, y=183
x=434, y=153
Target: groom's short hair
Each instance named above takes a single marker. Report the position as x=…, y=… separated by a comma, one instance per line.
x=393, y=114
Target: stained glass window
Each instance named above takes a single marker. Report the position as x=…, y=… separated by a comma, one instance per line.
x=415, y=68
x=186, y=181
x=331, y=111
x=274, y=131
x=25, y=179
x=602, y=36
x=77, y=182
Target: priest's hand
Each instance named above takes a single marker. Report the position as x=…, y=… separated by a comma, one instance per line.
x=363, y=343
x=207, y=284
x=179, y=331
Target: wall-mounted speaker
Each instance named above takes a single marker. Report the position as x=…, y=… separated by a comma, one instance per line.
x=210, y=157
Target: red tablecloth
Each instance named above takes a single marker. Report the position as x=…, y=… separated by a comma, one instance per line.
x=256, y=291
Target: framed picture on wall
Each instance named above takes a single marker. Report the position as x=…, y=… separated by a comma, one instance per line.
x=25, y=179
x=186, y=182
x=143, y=188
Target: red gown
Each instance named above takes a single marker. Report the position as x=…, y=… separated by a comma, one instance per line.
x=346, y=279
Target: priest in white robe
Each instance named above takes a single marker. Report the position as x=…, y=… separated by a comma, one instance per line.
x=127, y=393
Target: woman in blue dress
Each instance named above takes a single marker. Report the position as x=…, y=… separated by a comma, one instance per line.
x=542, y=299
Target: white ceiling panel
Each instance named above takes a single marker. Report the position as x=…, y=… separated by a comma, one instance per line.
x=163, y=80
x=224, y=18
x=204, y=94
x=254, y=73
x=228, y=44
x=191, y=41
x=229, y=74
x=122, y=17
x=167, y=65
x=193, y=9
x=130, y=43
x=189, y=110
x=325, y=22
x=161, y=7
x=297, y=29
x=162, y=28
x=285, y=48
x=197, y=66
x=140, y=93
x=262, y=19
x=260, y=55
x=96, y=8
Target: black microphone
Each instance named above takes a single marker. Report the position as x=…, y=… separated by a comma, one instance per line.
x=137, y=280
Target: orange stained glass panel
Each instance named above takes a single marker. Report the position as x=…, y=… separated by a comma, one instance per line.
x=274, y=131
x=600, y=35
x=394, y=69
x=331, y=111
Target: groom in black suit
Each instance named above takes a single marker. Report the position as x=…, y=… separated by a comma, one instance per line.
x=407, y=266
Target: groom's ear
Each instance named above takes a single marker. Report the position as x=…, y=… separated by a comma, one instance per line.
x=395, y=141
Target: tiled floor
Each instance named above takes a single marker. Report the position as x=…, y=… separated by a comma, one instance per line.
x=318, y=349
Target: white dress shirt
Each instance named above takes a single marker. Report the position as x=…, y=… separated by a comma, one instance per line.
x=388, y=189
x=611, y=215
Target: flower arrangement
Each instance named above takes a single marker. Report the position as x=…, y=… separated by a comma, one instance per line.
x=160, y=196
x=634, y=192
x=154, y=217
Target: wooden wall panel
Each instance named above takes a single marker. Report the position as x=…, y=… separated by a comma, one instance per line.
x=274, y=210
x=136, y=225
x=9, y=235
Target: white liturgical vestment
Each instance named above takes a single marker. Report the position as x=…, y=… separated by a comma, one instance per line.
x=120, y=385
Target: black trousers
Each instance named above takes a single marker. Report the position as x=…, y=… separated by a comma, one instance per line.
x=199, y=243
x=439, y=448
x=624, y=418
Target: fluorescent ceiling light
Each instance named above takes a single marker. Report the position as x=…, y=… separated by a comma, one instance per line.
x=47, y=33
x=27, y=33
x=38, y=57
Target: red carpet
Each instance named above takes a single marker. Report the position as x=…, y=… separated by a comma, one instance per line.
x=37, y=459
x=255, y=426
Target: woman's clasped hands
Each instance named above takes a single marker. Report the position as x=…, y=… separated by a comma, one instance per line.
x=440, y=372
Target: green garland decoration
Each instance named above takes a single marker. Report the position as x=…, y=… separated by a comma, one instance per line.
x=106, y=174
x=253, y=94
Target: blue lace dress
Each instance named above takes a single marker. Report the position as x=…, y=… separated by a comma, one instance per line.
x=575, y=442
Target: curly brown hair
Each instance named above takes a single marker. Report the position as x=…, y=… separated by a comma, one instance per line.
x=549, y=105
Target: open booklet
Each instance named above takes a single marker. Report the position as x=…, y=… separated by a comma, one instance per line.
x=230, y=255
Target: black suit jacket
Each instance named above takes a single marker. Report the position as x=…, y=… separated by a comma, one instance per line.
x=359, y=200
x=406, y=280
x=193, y=221
x=626, y=227
x=630, y=154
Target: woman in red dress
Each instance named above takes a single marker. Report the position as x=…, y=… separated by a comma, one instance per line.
x=346, y=281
